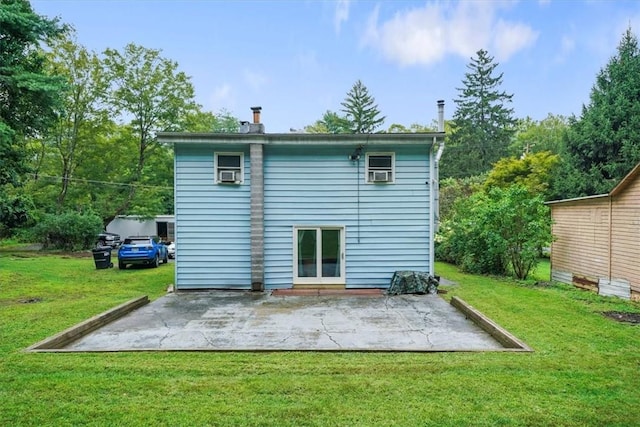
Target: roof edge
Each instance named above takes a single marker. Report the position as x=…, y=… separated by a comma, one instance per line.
x=576, y=199
x=298, y=138
x=626, y=180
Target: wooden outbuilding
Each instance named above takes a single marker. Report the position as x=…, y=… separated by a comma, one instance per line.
x=597, y=240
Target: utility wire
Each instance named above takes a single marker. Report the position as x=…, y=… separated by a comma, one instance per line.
x=93, y=181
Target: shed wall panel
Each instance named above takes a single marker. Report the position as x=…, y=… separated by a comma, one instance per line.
x=630, y=196
x=585, y=246
x=581, y=232
x=625, y=244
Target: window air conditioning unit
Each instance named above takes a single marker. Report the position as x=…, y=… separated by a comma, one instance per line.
x=380, y=176
x=227, y=176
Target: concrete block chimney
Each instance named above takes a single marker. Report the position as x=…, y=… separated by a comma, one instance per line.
x=256, y=126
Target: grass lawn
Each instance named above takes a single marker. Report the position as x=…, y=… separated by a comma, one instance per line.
x=585, y=370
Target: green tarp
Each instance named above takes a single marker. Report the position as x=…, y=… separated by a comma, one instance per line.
x=413, y=282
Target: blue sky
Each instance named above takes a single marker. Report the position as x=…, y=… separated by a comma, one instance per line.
x=298, y=59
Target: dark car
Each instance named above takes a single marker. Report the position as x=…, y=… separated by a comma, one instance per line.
x=146, y=250
x=109, y=239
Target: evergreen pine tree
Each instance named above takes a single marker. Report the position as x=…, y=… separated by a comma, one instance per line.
x=603, y=145
x=483, y=124
x=361, y=110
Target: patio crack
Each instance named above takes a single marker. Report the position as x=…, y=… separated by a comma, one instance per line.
x=209, y=342
x=158, y=315
x=166, y=326
x=326, y=332
x=427, y=336
x=386, y=302
x=163, y=338
x=285, y=339
x=411, y=327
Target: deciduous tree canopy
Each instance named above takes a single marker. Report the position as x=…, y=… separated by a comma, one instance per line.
x=28, y=100
x=28, y=95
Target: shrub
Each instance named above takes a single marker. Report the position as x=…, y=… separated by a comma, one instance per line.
x=15, y=212
x=70, y=231
x=500, y=231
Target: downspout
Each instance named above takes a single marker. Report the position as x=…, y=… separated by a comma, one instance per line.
x=435, y=187
x=176, y=213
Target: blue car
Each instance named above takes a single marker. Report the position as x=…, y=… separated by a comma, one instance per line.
x=145, y=250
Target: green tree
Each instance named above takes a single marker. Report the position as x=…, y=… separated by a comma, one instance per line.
x=496, y=232
x=546, y=135
x=361, y=110
x=413, y=128
x=28, y=97
x=15, y=212
x=149, y=89
x=82, y=115
x=603, y=145
x=453, y=189
x=483, y=124
x=205, y=121
x=533, y=171
x=331, y=122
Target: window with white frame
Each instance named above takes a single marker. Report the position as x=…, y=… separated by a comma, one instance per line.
x=229, y=168
x=380, y=167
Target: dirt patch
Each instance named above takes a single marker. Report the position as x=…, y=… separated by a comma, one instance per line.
x=542, y=283
x=30, y=300
x=77, y=254
x=23, y=255
x=621, y=316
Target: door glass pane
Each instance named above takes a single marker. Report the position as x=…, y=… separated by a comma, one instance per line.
x=307, y=259
x=330, y=253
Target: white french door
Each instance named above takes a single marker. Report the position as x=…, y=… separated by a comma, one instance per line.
x=318, y=255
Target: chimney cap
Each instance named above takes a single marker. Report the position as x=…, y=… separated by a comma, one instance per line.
x=440, y=101
x=256, y=109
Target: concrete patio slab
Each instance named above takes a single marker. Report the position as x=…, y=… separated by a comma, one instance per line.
x=246, y=321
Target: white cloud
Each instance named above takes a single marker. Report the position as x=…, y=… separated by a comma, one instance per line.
x=254, y=79
x=512, y=37
x=341, y=14
x=567, y=45
x=424, y=35
x=410, y=38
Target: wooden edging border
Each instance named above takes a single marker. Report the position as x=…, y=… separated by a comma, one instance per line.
x=66, y=337
x=501, y=335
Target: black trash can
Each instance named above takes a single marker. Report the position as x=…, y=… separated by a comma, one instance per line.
x=102, y=257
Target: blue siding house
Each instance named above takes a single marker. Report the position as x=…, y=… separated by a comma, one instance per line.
x=262, y=211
